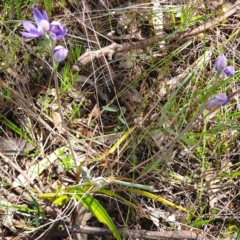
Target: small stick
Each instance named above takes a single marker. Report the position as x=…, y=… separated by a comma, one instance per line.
x=17, y=168
x=142, y=234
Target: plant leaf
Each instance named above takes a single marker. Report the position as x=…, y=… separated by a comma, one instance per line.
x=198, y=223
x=97, y=210
x=109, y=109
x=157, y=198
x=112, y=194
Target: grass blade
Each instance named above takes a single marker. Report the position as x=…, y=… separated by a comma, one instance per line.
x=97, y=210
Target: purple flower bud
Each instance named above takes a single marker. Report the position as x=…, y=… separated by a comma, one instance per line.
x=228, y=71
x=57, y=31
x=220, y=99
x=221, y=63
x=59, y=53
x=42, y=25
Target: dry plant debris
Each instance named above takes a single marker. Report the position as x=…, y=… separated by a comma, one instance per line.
x=119, y=119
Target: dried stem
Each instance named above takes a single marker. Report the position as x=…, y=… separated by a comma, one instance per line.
x=142, y=234
x=114, y=47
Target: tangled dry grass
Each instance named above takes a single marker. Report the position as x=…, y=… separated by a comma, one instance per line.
x=131, y=93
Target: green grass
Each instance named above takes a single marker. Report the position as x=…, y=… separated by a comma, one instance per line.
x=143, y=130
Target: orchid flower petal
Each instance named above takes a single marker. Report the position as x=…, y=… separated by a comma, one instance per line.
x=57, y=32
x=45, y=16
x=228, y=71
x=28, y=25
x=60, y=53
x=29, y=35
x=220, y=99
x=221, y=63
x=38, y=16
x=43, y=25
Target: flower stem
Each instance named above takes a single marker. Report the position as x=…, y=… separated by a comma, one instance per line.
x=54, y=74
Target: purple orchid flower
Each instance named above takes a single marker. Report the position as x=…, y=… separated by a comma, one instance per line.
x=43, y=25
x=220, y=99
x=221, y=63
x=60, y=53
x=57, y=31
x=228, y=71
x=221, y=66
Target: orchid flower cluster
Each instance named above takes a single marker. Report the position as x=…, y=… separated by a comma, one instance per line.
x=53, y=30
x=221, y=99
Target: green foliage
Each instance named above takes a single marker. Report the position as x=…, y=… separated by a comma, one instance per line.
x=20, y=208
x=37, y=206
x=199, y=223
x=109, y=109
x=67, y=161
x=74, y=52
x=97, y=210
x=120, y=117
x=36, y=222
x=238, y=235
x=174, y=80
x=15, y=128
x=45, y=101
x=89, y=202
x=75, y=112
x=232, y=229
x=48, y=4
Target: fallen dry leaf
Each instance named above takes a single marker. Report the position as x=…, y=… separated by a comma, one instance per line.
x=94, y=113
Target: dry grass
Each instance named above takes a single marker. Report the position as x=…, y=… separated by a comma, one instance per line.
x=133, y=111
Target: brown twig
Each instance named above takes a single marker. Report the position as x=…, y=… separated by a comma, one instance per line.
x=17, y=168
x=142, y=234
x=114, y=47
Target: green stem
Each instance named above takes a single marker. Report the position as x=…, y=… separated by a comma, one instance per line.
x=102, y=182
x=54, y=74
x=133, y=185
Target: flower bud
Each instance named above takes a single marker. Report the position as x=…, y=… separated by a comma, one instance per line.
x=228, y=71
x=220, y=99
x=221, y=63
x=60, y=53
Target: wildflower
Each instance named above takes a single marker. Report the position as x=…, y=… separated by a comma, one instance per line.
x=220, y=99
x=57, y=31
x=59, y=53
x=221, y=63
x=42, y=25
x=228, y=71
